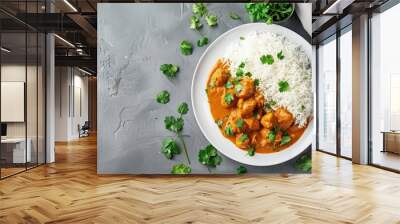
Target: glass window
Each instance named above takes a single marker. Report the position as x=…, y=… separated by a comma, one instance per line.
x=327, y=96
x=346, y=94
x=385, y=87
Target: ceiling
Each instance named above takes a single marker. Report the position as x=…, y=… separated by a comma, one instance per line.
x=75, y=21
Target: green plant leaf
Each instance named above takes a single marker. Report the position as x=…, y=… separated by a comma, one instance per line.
x=183, y=108
x=169, y=70
x=181, y=169
x=186, y=48
x=163, y=97
x=169, y=148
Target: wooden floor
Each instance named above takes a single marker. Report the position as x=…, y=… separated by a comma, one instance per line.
x=69, y=191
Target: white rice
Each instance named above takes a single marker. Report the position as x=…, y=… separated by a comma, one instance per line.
x=295, y=68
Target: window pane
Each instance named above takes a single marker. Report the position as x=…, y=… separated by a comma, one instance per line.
x=385, y=84
x=346, y=94
x=327, y=97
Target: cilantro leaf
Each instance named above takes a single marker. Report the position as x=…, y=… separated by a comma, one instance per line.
x=304, y=163
x=280, y=55
x=283, y=86
x=271, y=135
x=199, y=9
x=163, y=97
x=169, y=148
x=238, y=88
x=228, y=85
x=285, y=139
x=212, y=20
x=208, y=156
x=186, y=47
x=242, y=38
x=234, y=16
x=195, y=23
x=183, y=108
x=241, y=170
x=174, y=124
x=229, y=131
x=267, y=59
x=228, y=98
x=239, y=72
x=251, y=151
x=256, y=82
x=240, y=123
x=181, y=169
x=242, y=64
x=203, y=41
x=169, y=70
x=243, y=138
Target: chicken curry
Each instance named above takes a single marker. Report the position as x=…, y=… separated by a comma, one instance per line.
x=240, y=111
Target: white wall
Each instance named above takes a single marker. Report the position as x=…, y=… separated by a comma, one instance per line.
x=69, y=82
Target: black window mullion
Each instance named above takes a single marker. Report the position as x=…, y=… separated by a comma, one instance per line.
x=338, y=74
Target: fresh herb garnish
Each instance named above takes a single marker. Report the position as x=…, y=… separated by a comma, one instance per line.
x=183, y=108
x=285, y=139
x=209, y=157
x=242, y=38
x=267, y=59
x=272, y=135
x=186, y=47
x=239, y=72
x=212, y=20
x=181, y=169
x=283, y=86
x=195, y=23
x=243, y=138
x=256, y=82
x=228, y=98
x=169, y=148
x=251, y=151
x=234, y=16
x=228, y=130
x=219, y=122
x=169, y=70
x=269, y=12
x=203, y=41
x=199, y=9
x=240, y=123
x=163, y=97
x=304, y=163
x=248, y=74
x=228, y=85
x=238, y=88
x=302, y=108
x=242, y=64
x=241, y=170
x=175, y=124
x=280, y=55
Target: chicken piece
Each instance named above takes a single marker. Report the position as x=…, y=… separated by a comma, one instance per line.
x=228, y=98
x=246, y=107
x=259, y=99
x=245, y=88
x=242, y=140
x=219, y=77
x=252, y=123
x=236, y=123
x=268, y=120
x=263, y=139
x=284, y=118
x=258, y=114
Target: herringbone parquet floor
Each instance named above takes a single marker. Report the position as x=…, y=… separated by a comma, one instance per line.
x=69, y=191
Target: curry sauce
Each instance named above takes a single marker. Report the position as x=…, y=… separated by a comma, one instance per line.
x=241, y=114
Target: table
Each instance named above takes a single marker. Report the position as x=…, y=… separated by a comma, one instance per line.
x=133, y=41
x=391, y=141
x=13, y=150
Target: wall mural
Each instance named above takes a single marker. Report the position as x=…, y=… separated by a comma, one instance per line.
x=204, y=88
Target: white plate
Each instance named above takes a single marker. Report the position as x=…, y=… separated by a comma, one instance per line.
x=201, y=107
